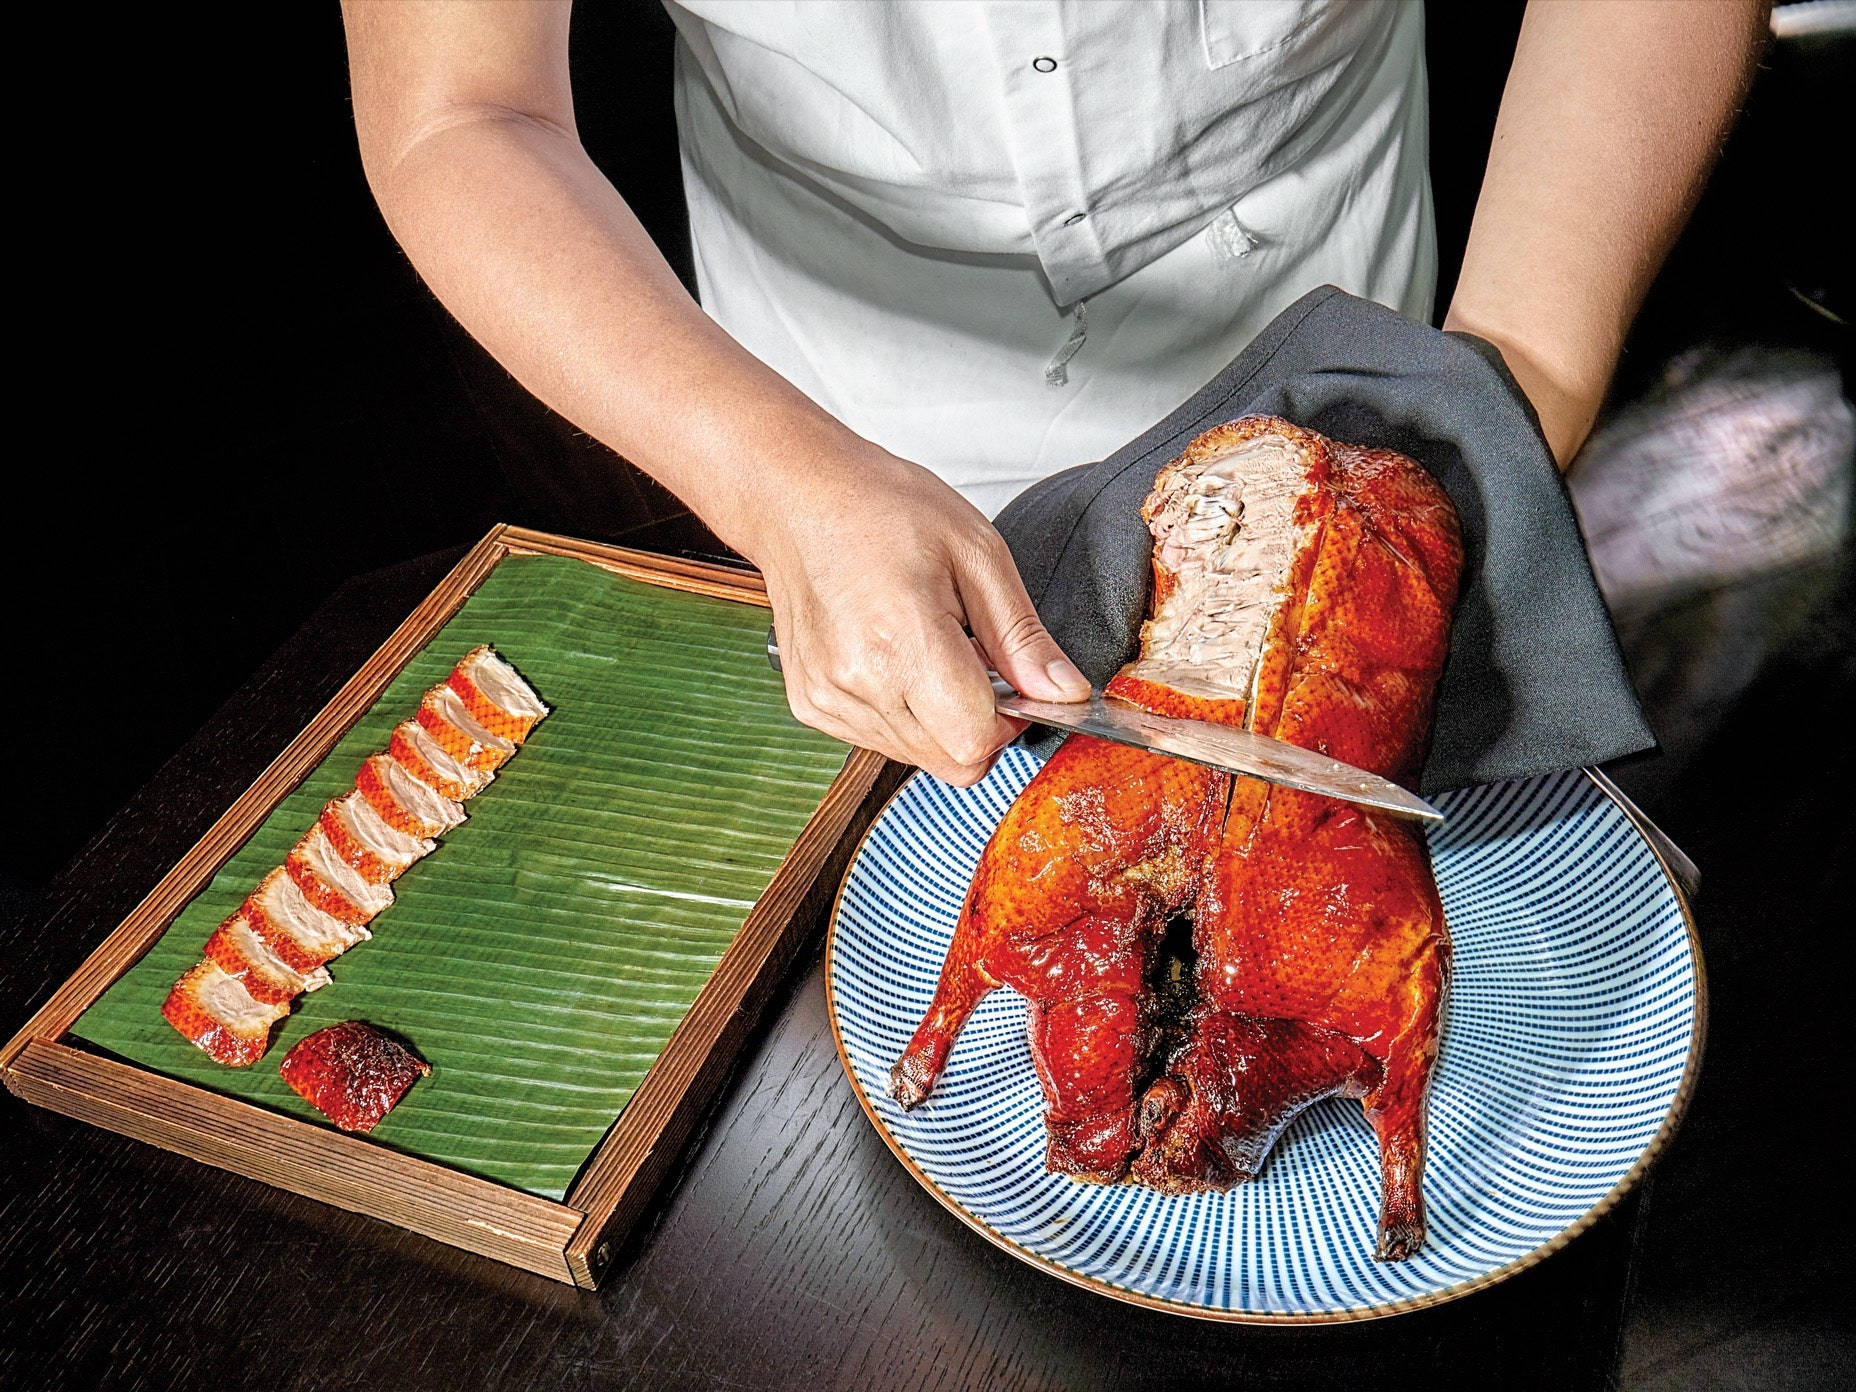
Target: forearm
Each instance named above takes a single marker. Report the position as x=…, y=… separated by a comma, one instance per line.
x=519, y=235
x=1612, y=117
x=876, y=570
x=531, y=249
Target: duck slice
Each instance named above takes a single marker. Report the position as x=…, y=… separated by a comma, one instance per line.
x=495, y=694
x=444, y=716
x=331, y=883
x=414, y=749
x=403, y=802
x=377, y=851
x=218, y=1014
x=301, y=934
x=241, y=954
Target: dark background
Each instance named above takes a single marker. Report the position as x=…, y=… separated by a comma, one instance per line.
x=247, y=397
x=277, y=403
x=272, y=401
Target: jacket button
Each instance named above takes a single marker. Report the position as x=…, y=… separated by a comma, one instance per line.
x=1044, y=64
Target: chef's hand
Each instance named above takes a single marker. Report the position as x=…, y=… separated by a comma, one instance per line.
x=877, y=571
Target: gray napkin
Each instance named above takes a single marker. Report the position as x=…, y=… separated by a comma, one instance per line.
x=1534, y=681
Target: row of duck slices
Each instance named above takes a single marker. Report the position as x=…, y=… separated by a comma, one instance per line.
x=319, y=902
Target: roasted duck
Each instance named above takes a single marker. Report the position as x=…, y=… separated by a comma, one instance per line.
x=1303, y=589
x=318, y=904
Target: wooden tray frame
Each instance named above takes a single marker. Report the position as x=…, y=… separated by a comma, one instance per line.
x=570, y=1241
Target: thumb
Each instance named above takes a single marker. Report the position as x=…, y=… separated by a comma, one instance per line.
x=1001, y=616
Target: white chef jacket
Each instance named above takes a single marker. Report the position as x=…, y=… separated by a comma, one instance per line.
x=1000, y=239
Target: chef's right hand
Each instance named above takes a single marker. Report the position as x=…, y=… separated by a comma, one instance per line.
x=877, y=571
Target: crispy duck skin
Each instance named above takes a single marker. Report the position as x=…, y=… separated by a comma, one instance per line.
x=353, y=1073
x=495, y=696
x=413, y=749
x=1303, y=589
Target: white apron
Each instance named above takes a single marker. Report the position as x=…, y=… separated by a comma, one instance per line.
x=1002, y=239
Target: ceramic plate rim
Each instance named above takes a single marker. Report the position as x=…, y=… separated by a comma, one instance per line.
x=1678, y=1107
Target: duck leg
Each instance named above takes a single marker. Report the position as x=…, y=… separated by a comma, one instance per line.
x=1397, y=1112
x=1067, y=908
x=1232, y=1090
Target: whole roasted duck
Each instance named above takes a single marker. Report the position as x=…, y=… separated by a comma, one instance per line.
x=1303, y=589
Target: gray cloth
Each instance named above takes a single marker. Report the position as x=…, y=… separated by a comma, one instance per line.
x=1534, y=680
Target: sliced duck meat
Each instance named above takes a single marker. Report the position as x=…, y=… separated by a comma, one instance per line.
x=240, y=953
x=404, y=802
x=414, y=749
x=217, y=1013
x=495, y=694
x=338, y=877
x=331, y=883
x=301, y=934
x=444, y=716
x=378, y=851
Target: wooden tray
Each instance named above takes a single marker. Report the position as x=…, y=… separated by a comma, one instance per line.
x=570, y=1240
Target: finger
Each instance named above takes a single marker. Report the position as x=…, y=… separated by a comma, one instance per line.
x=951, y=699
x=931, y=759
x=900, y=736
x=920, y=746
x=1001, y=616
x=891, y=729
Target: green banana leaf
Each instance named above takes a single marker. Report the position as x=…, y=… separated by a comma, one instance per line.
x=542, y=956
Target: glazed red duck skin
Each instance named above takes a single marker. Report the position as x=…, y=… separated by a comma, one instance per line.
x=353, y=1073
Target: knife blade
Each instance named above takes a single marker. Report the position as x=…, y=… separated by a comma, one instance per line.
x=1201, y=742
x=1220, y=747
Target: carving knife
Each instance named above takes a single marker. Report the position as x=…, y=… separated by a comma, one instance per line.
x=1201, y=742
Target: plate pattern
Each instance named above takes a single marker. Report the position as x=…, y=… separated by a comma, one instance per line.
x=1571, y=1039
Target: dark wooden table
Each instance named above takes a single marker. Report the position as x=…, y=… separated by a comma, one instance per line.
x=788, y=1249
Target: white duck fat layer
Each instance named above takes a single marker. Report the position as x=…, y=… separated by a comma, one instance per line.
x=1225, y=529
x=383, y=842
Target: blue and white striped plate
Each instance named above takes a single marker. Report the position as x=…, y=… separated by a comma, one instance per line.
x=1571, y=1040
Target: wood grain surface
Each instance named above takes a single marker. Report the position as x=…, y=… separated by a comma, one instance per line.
x=346, y=1171
x=786, y=1248
x=454, y=1207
